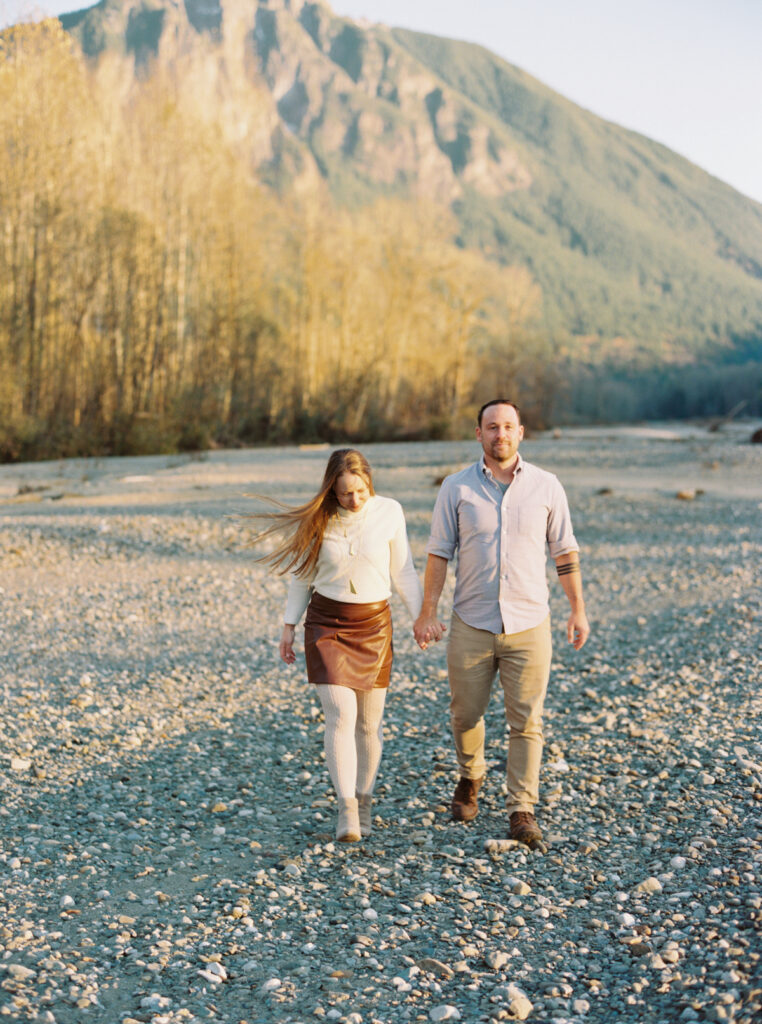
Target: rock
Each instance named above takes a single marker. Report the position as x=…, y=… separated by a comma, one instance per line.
x=214, y=973
x=497, y=959
x=444, y=1012
x=649, y=885
x=19, y=973
x=501, y=845
x=518, y=1003
x=155, y=1002
x=437, y=967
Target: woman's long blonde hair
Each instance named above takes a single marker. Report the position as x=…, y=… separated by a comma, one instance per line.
x=305, y=525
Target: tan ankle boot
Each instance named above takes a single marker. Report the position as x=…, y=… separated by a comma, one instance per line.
x=364, y=806
x=348, y=827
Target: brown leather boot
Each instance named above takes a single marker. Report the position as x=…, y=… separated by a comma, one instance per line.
x=524, y=828
x=464, y=804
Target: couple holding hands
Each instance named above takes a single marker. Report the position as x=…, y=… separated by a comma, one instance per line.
x=346, y=548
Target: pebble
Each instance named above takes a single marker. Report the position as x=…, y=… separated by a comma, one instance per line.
x=18, y=972
x=444, y=1012
x=519, y=1005
x=173, y=860
x=649, y=885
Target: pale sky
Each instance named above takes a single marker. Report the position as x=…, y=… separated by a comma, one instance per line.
x=687, y=73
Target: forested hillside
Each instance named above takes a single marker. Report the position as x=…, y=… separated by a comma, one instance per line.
x=155, y=296
x=243, y=222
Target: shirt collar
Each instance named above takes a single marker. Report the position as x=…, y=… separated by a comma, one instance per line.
x=491, y=476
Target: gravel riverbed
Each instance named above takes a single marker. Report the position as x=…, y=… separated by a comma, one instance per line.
x=166, y=822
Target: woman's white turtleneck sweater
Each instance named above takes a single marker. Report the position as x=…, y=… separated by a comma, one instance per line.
x=362, y=555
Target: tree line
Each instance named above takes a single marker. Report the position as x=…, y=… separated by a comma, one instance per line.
x=154, y=296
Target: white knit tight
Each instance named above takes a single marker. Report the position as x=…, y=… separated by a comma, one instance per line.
x=353, y=737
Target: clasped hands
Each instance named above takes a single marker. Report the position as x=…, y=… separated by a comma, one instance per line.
x=428, y=629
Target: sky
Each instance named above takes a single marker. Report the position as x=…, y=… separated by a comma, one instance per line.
x=687, y=73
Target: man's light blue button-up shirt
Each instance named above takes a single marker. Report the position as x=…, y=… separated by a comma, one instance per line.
x=501, y=539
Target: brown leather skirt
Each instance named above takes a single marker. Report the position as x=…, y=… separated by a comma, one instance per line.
x=348, y=644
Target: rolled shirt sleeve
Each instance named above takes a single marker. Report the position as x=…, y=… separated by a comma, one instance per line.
x=561, y=539
x=443, y=540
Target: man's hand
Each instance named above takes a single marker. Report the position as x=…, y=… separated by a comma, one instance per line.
x=577, y=629
x=428, y=629
x=286, y=645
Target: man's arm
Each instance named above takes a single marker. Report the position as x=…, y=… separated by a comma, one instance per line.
x=570, y=577
x=427, y=627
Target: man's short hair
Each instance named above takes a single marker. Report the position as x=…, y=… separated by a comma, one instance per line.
x=497, y=401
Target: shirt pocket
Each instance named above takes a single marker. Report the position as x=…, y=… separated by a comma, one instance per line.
x=533, y=521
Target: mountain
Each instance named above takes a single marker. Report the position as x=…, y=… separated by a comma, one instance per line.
x=643, y=258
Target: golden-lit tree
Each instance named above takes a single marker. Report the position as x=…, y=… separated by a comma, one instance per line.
x=154, y=295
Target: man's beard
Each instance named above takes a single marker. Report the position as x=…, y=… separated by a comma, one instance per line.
x=502, y=451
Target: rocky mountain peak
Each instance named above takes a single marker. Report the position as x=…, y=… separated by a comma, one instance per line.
x=348, y=98
x=618, y=231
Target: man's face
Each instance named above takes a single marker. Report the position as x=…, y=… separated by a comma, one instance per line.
x=500, y=433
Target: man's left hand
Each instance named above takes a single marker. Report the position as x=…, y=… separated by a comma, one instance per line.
x=577, y=629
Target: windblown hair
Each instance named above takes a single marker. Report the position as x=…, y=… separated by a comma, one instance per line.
x=304, y=525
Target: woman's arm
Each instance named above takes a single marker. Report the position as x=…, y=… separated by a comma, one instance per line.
x=296, y=602
x=297, y=599
x=402, y=570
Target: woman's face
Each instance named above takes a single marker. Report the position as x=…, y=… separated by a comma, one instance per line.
x=351, y=491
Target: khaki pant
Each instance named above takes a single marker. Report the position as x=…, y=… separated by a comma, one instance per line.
x=523, y=662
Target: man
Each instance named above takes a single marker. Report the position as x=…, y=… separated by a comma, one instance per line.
x=499, y=514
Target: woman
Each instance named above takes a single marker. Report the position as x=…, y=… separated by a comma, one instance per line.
x=344, y=548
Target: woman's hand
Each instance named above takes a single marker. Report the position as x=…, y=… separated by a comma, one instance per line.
x=428, y=629
x=286, y=646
